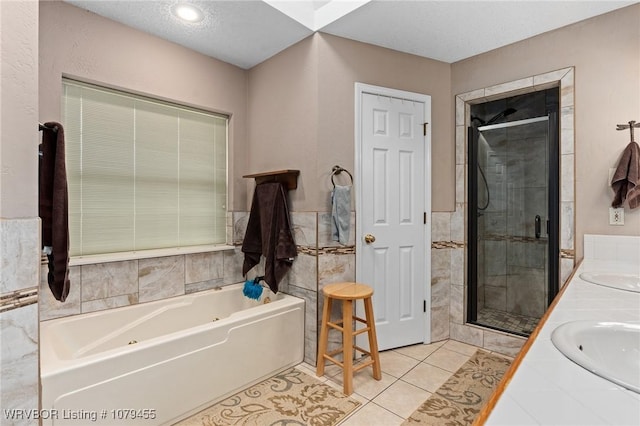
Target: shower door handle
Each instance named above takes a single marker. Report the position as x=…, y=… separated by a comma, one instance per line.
x=537, y=223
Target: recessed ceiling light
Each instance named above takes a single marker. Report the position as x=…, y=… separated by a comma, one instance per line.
x=187, y=12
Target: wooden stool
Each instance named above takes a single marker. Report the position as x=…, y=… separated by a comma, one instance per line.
x=348, y=292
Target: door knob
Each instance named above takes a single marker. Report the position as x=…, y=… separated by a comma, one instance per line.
x=368, y=238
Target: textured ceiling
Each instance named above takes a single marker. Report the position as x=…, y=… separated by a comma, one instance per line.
x=453, y=30
x=246, y=32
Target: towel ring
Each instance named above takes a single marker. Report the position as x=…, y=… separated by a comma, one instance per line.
x=336, y=170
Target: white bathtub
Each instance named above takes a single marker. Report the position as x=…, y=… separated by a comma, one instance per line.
x=191, y=351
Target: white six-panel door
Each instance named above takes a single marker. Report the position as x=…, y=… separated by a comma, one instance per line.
x=392, y=205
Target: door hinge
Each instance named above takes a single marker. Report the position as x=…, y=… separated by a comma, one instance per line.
x=424, y=306
x=425, y=218
x=424, y=128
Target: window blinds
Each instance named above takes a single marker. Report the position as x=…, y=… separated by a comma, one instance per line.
x=142, y=174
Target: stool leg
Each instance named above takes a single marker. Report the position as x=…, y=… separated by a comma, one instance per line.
x=324, y=336
x=347, y=345
x=373, y=340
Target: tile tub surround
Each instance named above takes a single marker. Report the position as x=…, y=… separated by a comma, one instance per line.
x=108, y=285
x=548, y=388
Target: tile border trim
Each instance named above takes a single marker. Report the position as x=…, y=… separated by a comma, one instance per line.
x=437, y=245
x=18, y=299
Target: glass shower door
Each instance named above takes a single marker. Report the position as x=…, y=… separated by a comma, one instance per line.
x=512, y=215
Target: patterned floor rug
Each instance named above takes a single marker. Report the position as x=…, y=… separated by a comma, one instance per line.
x=459, y=400
x=289, y=398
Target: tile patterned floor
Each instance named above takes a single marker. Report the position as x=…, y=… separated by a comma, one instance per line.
x=409, y=376
x=507, y=321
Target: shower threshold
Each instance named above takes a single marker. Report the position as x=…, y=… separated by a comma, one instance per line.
x=521, y=325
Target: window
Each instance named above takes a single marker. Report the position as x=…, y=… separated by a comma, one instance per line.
x=142, y=173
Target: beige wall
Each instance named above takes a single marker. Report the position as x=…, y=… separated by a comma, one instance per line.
x=19, y=110
x=283, y=118
x=344, y=62
x=606, y=54
x=301, y=112
x=81, y=44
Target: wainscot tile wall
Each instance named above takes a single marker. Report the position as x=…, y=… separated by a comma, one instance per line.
x=19, y=254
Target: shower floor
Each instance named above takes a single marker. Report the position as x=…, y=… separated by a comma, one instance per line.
x=515, y=323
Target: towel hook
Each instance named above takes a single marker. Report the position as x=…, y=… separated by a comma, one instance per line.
x=336, y=170
x=629, y=126
x=42, y=127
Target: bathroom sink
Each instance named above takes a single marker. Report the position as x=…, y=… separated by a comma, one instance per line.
x=609, y=349
x=629, y=282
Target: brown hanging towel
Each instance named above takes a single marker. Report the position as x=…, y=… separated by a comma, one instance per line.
x=54, y=208
x=626, y=179
x=269, y=234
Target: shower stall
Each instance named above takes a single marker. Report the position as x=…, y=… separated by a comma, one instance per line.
x=513, y=211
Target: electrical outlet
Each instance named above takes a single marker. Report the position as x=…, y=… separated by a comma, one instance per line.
x=616, y=216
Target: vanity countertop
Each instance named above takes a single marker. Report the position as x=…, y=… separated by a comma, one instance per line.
x=547, y=388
